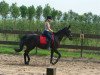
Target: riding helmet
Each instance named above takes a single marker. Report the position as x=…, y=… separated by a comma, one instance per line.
x=49, y=17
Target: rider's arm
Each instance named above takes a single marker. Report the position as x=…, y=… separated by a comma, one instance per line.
x=48, y=26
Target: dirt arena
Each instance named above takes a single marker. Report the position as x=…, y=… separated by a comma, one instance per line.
x=13, y=65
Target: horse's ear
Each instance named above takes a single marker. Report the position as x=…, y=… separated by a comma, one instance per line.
x=69, y=26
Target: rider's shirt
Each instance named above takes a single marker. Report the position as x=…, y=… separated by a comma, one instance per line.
x=47, y=26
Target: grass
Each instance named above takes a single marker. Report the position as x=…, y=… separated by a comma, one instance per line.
x=64, y=53
x=6, y=50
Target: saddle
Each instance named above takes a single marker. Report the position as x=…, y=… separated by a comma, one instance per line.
x=43, y=39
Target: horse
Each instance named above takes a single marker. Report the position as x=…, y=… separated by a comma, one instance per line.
x=33, y=40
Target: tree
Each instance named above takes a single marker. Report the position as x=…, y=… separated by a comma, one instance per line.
x=23, y=10
x=4, y=9
x=54, y=14
x=65, y=16
x=31, y=12
x=15, y=12
x=46, y=11
x=59, y=15
x=72, y=15
x=88, y=17
x=38, y=12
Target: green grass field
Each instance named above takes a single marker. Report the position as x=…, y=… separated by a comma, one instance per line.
x=64, y=52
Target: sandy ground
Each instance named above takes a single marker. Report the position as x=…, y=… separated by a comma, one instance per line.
x=13, y=65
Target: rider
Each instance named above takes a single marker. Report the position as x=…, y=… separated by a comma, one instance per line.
x=47, y=32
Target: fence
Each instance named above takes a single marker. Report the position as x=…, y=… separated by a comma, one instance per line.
x=76, y=35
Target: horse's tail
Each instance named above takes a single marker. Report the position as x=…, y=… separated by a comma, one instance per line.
x=21, y=44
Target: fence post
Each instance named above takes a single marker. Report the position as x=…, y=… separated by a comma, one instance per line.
x=82, y=38
x=51, y=71
x=36, y=46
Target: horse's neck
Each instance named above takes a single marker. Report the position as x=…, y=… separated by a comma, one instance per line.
x=59, y=35
x=60, y=38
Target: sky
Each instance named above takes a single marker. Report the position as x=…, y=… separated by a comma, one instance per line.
x=78, y=6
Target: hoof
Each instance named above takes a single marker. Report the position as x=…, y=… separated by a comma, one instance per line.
x=26, y=63
x=52, y=63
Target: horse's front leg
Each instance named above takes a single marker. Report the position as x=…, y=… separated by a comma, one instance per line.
x=59, y=55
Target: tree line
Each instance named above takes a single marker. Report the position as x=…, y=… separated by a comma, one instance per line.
x=18, y=17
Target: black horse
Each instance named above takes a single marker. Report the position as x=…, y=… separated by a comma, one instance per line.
x=32, y=40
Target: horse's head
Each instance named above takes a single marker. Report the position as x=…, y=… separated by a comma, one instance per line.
x=67, y=32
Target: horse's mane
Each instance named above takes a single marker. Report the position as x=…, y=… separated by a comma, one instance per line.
x=60, y=31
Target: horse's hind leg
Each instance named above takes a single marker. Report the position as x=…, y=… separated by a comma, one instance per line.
x=51, y=58
x=26, y=55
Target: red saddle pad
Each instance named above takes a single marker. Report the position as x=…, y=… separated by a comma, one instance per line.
x=43, y=39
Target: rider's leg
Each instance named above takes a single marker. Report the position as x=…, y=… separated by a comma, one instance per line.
x=50, y=39
x=48, y=35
